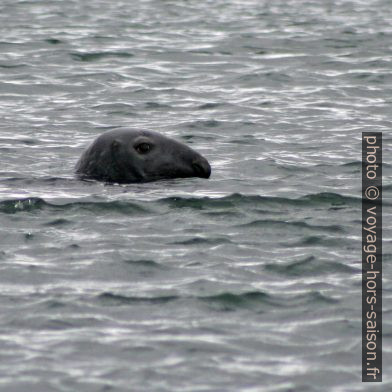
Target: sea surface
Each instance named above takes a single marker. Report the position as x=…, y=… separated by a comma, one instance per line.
x=249, y=281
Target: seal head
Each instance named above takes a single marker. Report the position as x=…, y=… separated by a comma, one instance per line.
x=126, y=155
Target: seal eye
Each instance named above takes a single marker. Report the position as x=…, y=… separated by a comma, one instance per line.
x=143, y=148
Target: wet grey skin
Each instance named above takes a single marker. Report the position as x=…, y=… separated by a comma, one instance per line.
x=126, y=155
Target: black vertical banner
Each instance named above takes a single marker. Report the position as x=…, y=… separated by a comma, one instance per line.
x=371, y=256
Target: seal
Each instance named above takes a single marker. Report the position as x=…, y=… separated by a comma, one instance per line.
x=125, y=155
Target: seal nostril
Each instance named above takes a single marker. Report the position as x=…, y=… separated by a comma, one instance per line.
x=201, y=167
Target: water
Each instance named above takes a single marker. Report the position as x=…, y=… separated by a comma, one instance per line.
x=248, y=281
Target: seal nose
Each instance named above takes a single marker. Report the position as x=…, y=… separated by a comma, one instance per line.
x=201, y=167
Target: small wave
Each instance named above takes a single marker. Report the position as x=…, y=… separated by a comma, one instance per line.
x=314, y=240
x=259, y=300
x=156, y=105
x=207, y=106
x=35, y=203
x=11, y=66
x=333, y=199
x=308, y=266
x=237, y=199
x=118, y=300
x=201, y=240
x=295, y=224
x=95, y=56
x=58, y=222
x=29, y=204
x=226, y=301
x=313, y=298
x=12, y=178
x=354, y=164
x=204, y=203
x=150, y=264
x=230, y=301
x=53, y=41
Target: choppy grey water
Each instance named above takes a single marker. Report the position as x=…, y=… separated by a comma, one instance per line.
x=248, y=281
